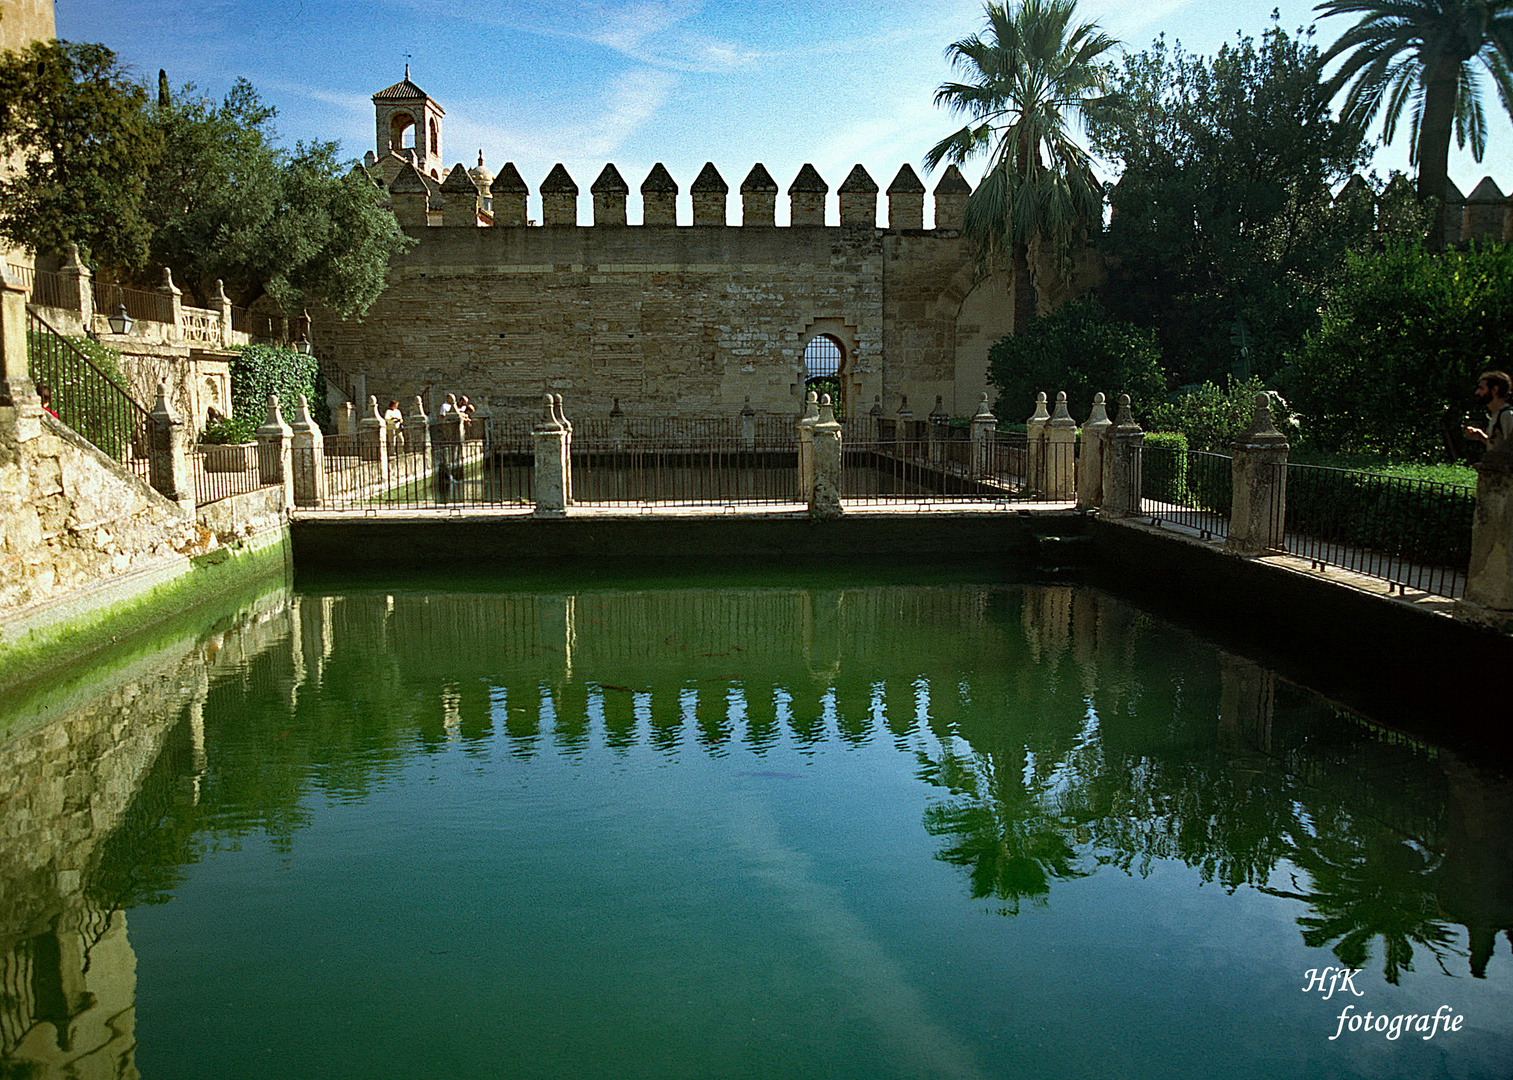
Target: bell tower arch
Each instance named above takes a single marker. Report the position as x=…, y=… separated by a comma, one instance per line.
x=407, y=120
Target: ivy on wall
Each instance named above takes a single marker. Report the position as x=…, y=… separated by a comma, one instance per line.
x=260, y=370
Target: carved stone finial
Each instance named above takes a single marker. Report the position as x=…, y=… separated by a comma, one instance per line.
x=984, y=410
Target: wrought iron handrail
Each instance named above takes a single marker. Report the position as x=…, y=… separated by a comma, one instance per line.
x=86, y=398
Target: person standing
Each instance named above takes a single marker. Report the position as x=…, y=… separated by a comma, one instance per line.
x=1494, y=390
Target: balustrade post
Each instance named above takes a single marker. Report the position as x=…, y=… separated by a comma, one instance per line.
x=418, y=430
x=1258, y=512
x=16, y=387
x=1090, y=464
x=567, y=451
x=222, y=304
x=617, y=427
x=903, y=426
x=345, y=416
x=1489, y=580
x=1121, y=463
x=748, y=425
x=876, y=413
x=937, y=422
x=804, y=429
x=1034, y=433
x=983, y=426
x=825, y=495
x=83, y=291
x=372, y=443
x=309, y=453
x=550, y=439
x=274, y=462
x=1061, y=452
x=173, y=299
x=168, y=465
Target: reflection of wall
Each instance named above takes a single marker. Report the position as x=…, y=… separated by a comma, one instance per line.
x=67, y=781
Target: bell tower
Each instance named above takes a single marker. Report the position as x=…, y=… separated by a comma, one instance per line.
x=407, y=121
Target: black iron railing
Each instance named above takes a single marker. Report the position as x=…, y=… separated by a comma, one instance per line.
x=91, y=401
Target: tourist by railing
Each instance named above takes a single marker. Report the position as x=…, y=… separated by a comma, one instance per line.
x=87, y=399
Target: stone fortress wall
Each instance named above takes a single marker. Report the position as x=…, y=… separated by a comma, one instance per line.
x=673, y=319
x=687, y=320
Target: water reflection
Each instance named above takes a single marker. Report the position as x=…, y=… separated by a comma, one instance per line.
x=1060, y=733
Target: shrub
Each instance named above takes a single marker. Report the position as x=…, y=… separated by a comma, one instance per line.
x=1163, y=474
x=1079, y=348
x=1403, y=337
x=260, y=370
x=1211, y=417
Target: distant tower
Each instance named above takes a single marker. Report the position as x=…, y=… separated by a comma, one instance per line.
x=407, y=119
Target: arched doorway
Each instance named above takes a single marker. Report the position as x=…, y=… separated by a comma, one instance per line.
x=824, y=360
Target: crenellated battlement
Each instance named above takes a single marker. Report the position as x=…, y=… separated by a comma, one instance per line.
x=471, y=197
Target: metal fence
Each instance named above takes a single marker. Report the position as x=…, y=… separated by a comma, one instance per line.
x=139, y=303
x=439, y=471
x=89, y=400
x=713, y=472
x=1413, y=533
x=1190, y=488
x=223, y=471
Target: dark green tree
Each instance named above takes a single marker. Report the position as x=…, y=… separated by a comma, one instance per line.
x=1030, y=72
x=1424, y=54
x=76, y=126
x=1224, y=213
x=229, y=204
x=1399, y=348
x=1079, y=348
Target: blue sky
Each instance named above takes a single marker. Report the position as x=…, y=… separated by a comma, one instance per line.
x=536, y=82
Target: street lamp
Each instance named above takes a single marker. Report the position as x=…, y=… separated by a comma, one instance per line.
x=120, y=322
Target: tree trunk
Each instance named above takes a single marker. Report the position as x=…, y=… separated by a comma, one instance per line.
x=1433, y=151
x=1023, y=289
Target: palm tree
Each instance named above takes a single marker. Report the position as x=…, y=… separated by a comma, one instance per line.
x=1029, y=71
x=1423, y=52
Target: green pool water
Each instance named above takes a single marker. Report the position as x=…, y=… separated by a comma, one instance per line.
x=859, y=823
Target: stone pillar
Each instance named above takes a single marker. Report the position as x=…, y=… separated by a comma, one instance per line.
x=748, y=425
x=308, y=449
x=222, y=304
x=1034, y=433
x=168, y=464
x=1061, y=452
x=1090, y=464
x=805, y=432
x=1121, y=463
x=876, y=413
x=825, y=495
x=174, y=301
x=372, y=441
x=903, y=425
x=617, y=427
x=16, y=387
x=1489, y=581
x=983, y=426
x=935, y=432
x=1257, y=517
x=551, y=465
x=274, y=463
x=567, y=453
x=418, y=429
x=83, y=290
x=345, y=416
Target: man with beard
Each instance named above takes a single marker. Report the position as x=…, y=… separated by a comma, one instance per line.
x=1493, y=390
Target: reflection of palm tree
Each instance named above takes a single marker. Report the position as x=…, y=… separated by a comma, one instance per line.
x=1366, y=887
x=1011, y=839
